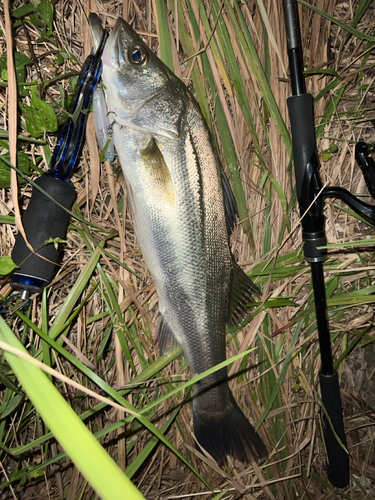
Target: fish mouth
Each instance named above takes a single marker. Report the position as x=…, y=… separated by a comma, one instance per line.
x=122, y=35
x=111, y=51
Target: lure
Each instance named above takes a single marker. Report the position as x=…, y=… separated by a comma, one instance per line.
x=102, y=123
x=99, y=104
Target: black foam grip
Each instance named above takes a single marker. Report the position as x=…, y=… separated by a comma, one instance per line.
x=42, y=220
x=301, y=113
x=338, y=458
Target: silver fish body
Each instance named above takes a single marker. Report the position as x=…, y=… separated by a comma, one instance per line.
x=175, y=188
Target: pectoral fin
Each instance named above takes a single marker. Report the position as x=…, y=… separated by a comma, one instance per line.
x=157, y=172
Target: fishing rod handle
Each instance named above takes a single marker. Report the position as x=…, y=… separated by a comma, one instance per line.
x=301, y=113
x=308, y=182
x=338, y=457
x=42, y=220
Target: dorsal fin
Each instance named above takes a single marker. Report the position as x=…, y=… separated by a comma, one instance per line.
x=231, y=210
x=244, y=291
x=164, y=336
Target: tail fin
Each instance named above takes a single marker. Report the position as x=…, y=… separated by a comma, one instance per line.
x=229, y=433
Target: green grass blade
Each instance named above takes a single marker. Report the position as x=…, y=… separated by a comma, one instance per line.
x=147, y=450
x=7, y=219
x=359, y=13
x=59, y=323
x=237, y=80
x=85, y=451
x=280, y=380
x=147, y=374
x=331, y=109
x=120, y=399
x=247, y=46
x=335, y=20
x=164, y=37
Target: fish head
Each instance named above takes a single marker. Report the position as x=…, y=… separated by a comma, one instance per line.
x=132, y=73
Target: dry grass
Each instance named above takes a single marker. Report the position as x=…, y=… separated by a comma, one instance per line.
x=296, y=468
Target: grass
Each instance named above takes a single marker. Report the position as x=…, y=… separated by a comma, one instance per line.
x=94, y=323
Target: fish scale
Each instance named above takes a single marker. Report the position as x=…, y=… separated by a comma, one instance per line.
x=183, y=210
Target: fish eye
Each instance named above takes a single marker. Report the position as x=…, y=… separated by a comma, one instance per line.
x=138, y=55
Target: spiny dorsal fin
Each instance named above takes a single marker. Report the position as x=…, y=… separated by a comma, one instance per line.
x=244, y=291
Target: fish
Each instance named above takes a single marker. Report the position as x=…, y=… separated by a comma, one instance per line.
x=183, y=210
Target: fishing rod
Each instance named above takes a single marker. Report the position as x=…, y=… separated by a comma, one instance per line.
x=310, y=195
x=46, y=217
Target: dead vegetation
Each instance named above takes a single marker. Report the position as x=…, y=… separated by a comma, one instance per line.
x=267, y=239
